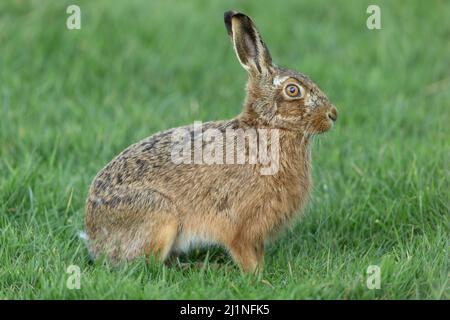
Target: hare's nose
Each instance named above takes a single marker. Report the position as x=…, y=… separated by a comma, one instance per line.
x=332, y=113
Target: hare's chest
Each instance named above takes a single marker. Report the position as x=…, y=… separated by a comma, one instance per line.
x=289, y=194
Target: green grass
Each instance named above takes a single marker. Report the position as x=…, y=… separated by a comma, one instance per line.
x=71, y=100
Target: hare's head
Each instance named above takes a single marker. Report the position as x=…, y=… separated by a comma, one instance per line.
x=276, y=97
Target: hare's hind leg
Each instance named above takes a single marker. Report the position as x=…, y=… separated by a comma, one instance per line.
x=161, y=237
x=127, y=223
x=160, y=225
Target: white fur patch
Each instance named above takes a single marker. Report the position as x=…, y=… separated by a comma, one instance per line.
x=83, y=235
x=187, y=242
x=310, y=101
x=85, y=238
x=279, y=80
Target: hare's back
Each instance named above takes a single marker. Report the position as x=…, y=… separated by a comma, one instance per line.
x=150, y=159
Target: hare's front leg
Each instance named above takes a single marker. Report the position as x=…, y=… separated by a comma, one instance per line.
x=248, y=255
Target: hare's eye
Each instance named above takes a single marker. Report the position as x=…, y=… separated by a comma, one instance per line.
x=293, y=91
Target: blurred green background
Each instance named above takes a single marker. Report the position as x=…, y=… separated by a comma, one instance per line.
x=70, y=100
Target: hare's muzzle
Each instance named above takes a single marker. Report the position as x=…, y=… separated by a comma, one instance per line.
x=332, y=113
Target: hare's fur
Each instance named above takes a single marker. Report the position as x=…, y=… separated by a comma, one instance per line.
x=144, y=203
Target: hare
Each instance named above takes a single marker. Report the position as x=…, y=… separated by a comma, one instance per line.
x=145, y=203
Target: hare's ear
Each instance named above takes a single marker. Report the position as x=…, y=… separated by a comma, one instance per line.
x=248, y=44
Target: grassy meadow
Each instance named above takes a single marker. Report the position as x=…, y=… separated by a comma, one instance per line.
x=70, y=100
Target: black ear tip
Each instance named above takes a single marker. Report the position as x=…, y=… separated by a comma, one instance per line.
x=228, y=15
x=227, y=19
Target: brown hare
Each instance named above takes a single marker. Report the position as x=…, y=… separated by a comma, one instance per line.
x=145, y=203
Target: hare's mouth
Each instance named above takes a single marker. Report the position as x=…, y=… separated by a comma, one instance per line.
x=321, y=124
x=327, y=120
x=328, y=126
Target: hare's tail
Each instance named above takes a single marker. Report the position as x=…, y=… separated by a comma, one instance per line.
x=85, y=238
